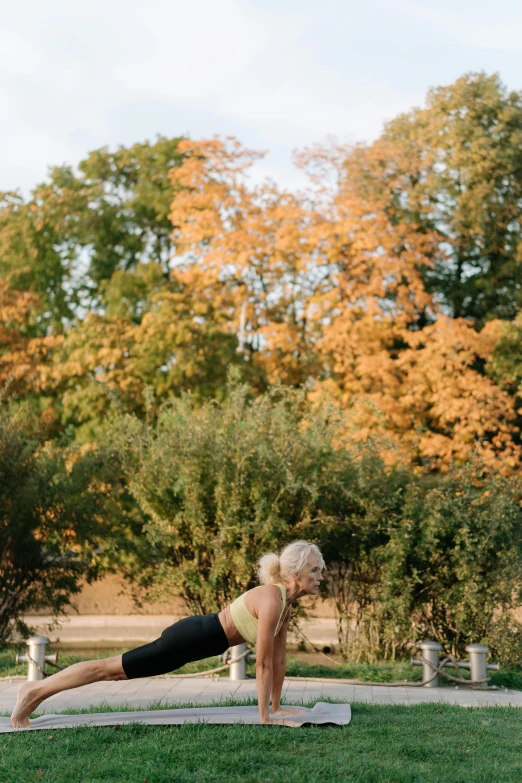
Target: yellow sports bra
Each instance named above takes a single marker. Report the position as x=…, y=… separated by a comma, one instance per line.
x=245, y=622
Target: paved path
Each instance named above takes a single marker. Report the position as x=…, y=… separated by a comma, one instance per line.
x=203, y=690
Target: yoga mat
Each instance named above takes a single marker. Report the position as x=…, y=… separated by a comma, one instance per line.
x=319, y=714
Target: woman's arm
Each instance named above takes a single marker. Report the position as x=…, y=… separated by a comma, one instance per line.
x=279, y=671
x=269, y=610
x=279, y=664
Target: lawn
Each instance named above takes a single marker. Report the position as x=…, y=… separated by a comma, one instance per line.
x=384, y=744
x=8, y=666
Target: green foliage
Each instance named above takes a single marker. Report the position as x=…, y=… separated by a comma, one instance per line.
x=223, y=483
x=35, y=255
x=452, y=569
x=177, y=345
x=55, y=522
x=352, y=539
x=408, y=558
x=79, y=228
x=505, y=366
x=438, y=558
x=132, y=197
x=456, y=167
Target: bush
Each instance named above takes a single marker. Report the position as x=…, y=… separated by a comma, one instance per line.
x=437, y=558
x=54, y=505
x=452, y=569
x=225, y=482
x=354, y=545
x=408, y=557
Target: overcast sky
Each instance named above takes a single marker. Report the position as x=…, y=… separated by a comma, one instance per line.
x=79, y=75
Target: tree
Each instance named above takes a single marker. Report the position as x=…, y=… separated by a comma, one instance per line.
x=24, y=356
x=248, y=250
x=505, y=363
x=57, y=514
x=219, y=484
x=175, y=342
x=331, y=285
x=425, y=393
x=455, y=167
x=78, y=228
x=352, y=544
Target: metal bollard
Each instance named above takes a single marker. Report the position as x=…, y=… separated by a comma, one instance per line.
x=37, y=649
x=430, y=651
x=477, y=661
x=238, y=669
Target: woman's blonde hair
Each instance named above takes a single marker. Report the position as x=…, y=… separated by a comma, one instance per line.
x=274, y=568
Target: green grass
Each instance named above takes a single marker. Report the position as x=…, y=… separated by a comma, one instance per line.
x=429, y=743
x=396, y=671
x=383, y=672
x=9, y=667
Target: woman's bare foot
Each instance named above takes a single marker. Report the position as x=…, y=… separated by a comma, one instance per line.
x=26, y=701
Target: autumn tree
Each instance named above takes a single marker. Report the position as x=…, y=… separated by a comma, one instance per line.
x=25, y=357
x=455, y=166
x=367, y=330
x=248, y=249
x=155, y=338
x=405, y=370
x=381, y=282
x=426, y=394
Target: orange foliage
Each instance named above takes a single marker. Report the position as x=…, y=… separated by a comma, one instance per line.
x=329, y=284
x=425, y=392
x=326, y=284
x=24, y=359
x=248, y=250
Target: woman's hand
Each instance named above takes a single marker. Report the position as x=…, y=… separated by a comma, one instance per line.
x=279, y=715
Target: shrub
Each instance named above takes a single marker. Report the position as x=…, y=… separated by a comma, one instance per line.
x=225, y=482
x=353, y=545
x=452, y=569
x=54, y=505
x=408, y=557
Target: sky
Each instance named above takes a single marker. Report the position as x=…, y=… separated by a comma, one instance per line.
x=278, y=75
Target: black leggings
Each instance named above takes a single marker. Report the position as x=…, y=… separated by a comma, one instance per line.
x=190, y=639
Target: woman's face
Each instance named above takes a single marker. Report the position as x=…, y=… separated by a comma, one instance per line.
x=311, y=577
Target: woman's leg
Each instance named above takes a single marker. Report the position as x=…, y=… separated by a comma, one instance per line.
x=187, y=640
x=31, y=694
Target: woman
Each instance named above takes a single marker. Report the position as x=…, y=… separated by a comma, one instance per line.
x=259, y=616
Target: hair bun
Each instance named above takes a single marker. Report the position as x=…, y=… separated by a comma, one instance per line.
x=269, y=569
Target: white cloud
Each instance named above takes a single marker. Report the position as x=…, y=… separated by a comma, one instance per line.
x=248, y=65
x=77, y=75
x=487, y=27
